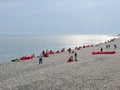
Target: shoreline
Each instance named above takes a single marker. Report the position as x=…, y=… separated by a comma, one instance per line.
x=15, y=50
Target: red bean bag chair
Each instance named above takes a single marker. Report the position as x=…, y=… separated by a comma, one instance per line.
x=30, y=57
x=24, y=58
x=46, y=55
x=62, y=50
x=51, y=52
x=107, y=52
x=70, y=61
x=78, y=48
x=88, y=46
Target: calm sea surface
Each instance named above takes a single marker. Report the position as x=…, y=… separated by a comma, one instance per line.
x=15, y=46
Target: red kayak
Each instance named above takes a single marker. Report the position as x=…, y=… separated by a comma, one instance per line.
x=107, y=52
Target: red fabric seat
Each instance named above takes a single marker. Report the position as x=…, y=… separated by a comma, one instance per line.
x=70, y=60
x=46, y=55
x=78, y=48
x=51, y=52
x=26, y=57
x=107, y=52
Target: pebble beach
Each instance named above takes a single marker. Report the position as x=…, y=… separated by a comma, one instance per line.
x=90, y=72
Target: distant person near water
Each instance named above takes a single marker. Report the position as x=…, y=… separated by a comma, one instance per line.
x=106, y=46
x=109, y=46
x=115, y=46
x=40, y=58
x=101, y=49
x=75, y=56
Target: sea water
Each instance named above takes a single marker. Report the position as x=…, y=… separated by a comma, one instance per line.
x=16, y=46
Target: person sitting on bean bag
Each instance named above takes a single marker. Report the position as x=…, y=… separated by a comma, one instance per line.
x=70, y=59
x=58, y=51
x=69, y=50
x=51, y=52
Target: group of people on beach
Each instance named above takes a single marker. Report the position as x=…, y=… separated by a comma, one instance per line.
x=46, y=54
x=108, y=46
x=43, y=54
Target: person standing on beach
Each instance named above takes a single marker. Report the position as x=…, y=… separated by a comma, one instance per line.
x=75, y=56
x=101, y=49
x=109, y=45
x=69, y=50
x=106, y=46
x=40, y=59
x=115, y=46
x=43, y=53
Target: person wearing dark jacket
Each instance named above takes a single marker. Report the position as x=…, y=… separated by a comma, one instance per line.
x=101, y=49
x=75, y=56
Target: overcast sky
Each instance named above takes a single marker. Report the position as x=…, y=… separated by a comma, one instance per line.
x=59, y=16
